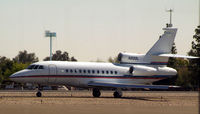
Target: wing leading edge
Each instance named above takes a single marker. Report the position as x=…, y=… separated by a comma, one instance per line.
x=177, y=56
x=120, y=85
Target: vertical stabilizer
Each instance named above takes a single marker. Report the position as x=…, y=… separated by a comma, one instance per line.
x=162, y=46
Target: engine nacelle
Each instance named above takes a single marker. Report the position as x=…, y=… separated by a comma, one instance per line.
x=130, y=58
x=149, y=71
x=143, y=70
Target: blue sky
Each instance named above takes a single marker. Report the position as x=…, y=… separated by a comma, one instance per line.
x=93, y=29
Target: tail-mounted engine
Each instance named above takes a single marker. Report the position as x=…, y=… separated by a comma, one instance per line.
x=150, y=71
x=144, y=70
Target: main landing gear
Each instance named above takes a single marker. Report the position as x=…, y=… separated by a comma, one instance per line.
x=117, y=94
x=96, y=93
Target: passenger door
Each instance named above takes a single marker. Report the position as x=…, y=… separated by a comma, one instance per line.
x=52, y=74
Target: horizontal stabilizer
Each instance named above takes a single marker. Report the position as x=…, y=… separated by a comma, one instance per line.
x=121, y=85
x=177, y=56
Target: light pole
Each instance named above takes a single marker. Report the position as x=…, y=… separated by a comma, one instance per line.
x=50, y=34
x=170, y=21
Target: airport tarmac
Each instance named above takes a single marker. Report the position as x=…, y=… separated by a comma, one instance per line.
x=82, y=102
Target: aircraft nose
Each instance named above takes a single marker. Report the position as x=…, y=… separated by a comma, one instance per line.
x=15, y=76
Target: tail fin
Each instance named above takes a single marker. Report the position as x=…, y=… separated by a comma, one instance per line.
x=158, y=54
x=162, y=46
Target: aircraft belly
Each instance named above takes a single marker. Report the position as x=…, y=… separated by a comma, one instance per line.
x=83, y=82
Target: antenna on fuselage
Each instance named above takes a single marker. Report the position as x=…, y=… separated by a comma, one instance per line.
x=170, y=19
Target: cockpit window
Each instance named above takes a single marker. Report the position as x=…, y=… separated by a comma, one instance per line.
x=36, y=66
x=31, y=67
x=41, y=67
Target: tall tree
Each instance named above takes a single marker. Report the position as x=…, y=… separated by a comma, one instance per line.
x=25, y=57
x=183, y=77
x=8, y=67
x=172, y=61
x=5, y=65
x=113, y=60
x=194, y=64
x=73, y=59
x=59, y=56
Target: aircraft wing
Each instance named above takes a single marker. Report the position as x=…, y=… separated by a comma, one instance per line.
x=177, y=56
x=121, y=85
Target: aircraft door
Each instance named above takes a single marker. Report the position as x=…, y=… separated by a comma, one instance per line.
x=52, y=74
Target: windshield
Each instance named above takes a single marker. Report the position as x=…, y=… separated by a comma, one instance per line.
x=30, y=66
x=35, y=67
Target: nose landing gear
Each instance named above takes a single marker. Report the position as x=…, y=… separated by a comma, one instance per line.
x=39, y=94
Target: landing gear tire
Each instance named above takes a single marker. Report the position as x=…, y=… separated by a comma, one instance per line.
x=117, y=94
x=96, y=92
x=39, y=94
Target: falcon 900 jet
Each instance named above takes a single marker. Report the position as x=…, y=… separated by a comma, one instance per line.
x=133, y=71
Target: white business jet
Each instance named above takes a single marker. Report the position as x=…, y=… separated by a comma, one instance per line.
x=134, y=70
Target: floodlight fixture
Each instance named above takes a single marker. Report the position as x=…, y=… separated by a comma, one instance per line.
x=50, y=35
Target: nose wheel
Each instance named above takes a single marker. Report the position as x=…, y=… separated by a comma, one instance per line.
x=39, y=94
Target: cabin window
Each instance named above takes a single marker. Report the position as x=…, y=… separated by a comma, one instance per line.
x=102, y=72
x=97, y=71
x=41, y=67
x=71, y=70
x=115, y=72
x=84, y=71
x=111, y=72
x=75, y=71
x=66, y=70
x=80, y=71
x=93, y=71
x=89, y=71
x=107, y=72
